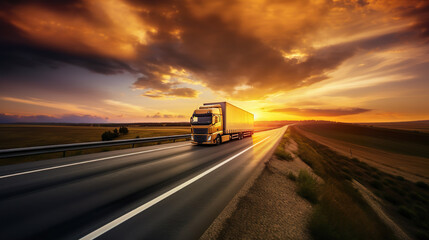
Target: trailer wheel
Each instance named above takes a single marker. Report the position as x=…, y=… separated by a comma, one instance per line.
x=240, y=136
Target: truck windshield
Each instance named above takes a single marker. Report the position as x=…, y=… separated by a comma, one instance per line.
x=201, y=119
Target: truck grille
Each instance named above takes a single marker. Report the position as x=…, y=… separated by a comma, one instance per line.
x=201, y=130
x=198, y=138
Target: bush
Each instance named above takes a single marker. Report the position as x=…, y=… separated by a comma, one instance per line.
x=281, y=154
x=392, y=198
x=406, y=212
x=400, y=178
x=123, y=130
x=116, y=132
x=376, y=184
x=416, y=196
x=291, y=176
x=308, y=187
x=422, y=185
x=422, y=235
x=108, y=135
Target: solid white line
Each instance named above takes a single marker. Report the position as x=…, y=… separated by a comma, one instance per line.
x=89, y=161
x=100, y=231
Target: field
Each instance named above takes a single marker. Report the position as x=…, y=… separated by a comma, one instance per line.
x=341, y=210
x=14, y=136
x=397, y=152
x=391, y=140
x=18, y=135
x=420, y=126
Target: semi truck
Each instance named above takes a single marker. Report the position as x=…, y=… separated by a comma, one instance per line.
x=219, y=122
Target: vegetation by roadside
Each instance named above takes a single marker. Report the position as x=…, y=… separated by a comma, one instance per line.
x=308, y=187
x=341, y=210
x=280, y=149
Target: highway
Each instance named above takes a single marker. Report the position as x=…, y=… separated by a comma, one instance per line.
x=169, y=191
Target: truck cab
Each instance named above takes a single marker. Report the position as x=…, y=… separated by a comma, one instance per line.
x=207, y=125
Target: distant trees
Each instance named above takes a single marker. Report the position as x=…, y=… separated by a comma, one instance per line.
x=109, y=135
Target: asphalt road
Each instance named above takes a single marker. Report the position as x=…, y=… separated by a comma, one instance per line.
x=169, y=191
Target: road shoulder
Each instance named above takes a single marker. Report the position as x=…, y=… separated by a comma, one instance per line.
x=271, y=208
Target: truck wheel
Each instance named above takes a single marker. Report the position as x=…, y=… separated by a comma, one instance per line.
x=218, y=141
x=240, y=136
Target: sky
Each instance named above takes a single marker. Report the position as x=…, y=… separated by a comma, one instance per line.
x=152, y=61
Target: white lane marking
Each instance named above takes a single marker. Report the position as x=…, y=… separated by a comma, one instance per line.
x=109, y=226
x=89, y=161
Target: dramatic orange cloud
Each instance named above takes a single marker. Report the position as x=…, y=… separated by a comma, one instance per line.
x=347, y=55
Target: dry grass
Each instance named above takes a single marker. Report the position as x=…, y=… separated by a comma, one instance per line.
x=14, y=136
x=390, y=140
x=340, y=213
x=411, y=167
x=406, y=201
x=308, y=187
x=280, y=149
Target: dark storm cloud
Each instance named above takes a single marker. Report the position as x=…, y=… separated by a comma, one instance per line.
x=422, y=18
x=313, y=112
x=209, y=41
x=14, y=57
x=70, y=118
x=18, y=50
x=225, y=57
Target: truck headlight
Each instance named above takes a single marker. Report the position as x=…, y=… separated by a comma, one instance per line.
x=209, y=138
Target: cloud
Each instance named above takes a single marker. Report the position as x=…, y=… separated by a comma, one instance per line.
x=49, y=104
x=314, y=112
x=173, y=92
x=156, y=88
x=68, y=118
x=16, y=56
x=224, y=44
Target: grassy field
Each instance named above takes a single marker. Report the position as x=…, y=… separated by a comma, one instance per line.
x=392, y=140
x=14, y=136
x=417, y=126
x=341, y=213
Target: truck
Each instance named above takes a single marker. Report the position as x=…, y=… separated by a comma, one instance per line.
x=219, y=122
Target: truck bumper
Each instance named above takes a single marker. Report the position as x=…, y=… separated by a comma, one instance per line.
x=202, y=139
